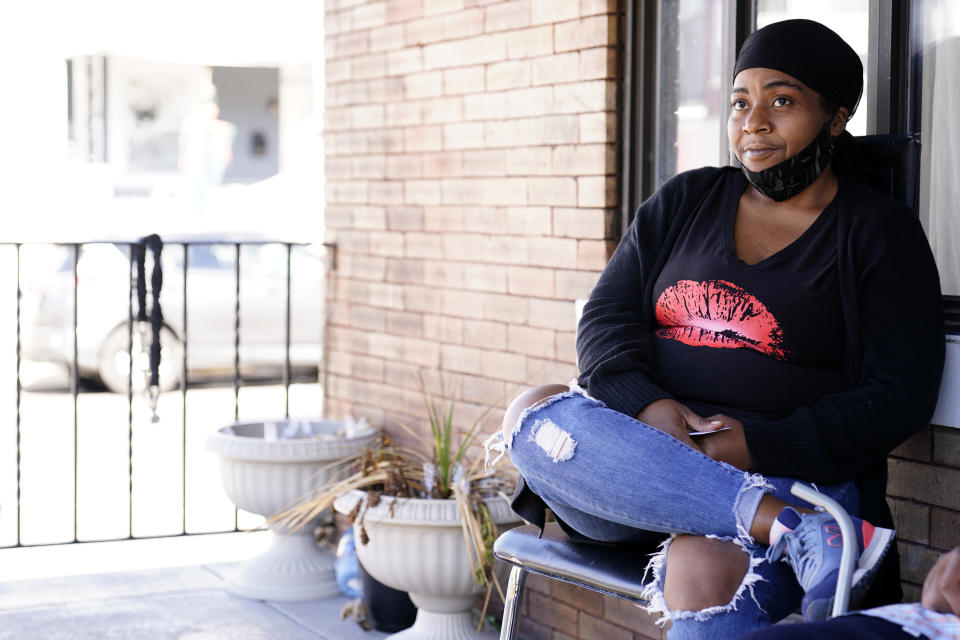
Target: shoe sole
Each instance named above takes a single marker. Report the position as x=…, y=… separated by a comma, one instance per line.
x=867, y=566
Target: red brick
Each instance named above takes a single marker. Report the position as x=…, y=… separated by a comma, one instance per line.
x=529, y=161
x=404, y=61
x=444, y=54
x=944, y=529
x=443, y=110
x=463, y=80
x=484, y=48
x=463, y=304
x=552, y=314
x=457, y=358
x=386, y=38
x=385, y=346
x=386, y=89
x=371, y=65
x=443, y=219
x=426, y=299
x=556, y=68
x=549, y=11
x=505, y=249
x=443, y=273
x=530, y=221
x=421, y=192
x=528, y=43
x=463, y=135
x=485, y=334
x=532, y=341
x=423, y=245
x=598, y=127
x=505, y=366
x=934, y=485
x=368, y=318
x=405, y=271
x=503, y=16
x=552, y=252
x=598, y=63
x=535, y=101
x=423, y=30
x=584, y=159
x=367, y=368
x=462, y=24
x=530, y=630
x=443, y=164
x=463, y=246
x=509, y=74
x=596, y=191
x=484, y=191
x=506, y=308
x=582, y=223
x=593, y=628
x=423, y=85
x=946, y=446
x=425, y=138
x=405, y=218
x=531, y=281
x=550, y=612
x=912, y=520
x=483, y=162
x=575, y=284
x=402, y=10
x=384, y=140
x=593, y=7
x=485, y=277
x=595, y=31
x=556, y=191
x=373, y=167
x=434, y=7
x=594, y=254
x=484, y=106
x=425, y=353
x=443, y=328
x=583, y=599
x=488, y=220
x=915, y=561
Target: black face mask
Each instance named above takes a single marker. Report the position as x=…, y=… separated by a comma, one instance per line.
x=786, y=179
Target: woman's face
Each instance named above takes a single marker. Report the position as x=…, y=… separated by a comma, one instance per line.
x=772, y=117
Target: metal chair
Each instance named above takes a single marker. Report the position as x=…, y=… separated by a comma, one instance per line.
x=601, y=568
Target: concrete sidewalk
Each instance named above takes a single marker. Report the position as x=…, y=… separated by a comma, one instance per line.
x=187, y=603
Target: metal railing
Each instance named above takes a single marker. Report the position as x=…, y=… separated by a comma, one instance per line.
x=135, y=323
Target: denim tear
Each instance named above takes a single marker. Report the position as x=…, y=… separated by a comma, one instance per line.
x=558, y=444
x=657, y=604
x=745, y=504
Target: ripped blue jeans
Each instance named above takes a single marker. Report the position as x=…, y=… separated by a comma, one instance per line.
x=615, y=479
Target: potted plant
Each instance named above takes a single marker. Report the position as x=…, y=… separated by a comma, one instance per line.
x=425, y=519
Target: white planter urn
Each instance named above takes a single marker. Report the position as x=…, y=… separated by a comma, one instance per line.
x=417, y=545
x=265, y=468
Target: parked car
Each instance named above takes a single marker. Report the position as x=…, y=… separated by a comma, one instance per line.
x=104, y=299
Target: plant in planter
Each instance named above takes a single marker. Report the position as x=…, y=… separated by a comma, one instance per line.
x=425, y=519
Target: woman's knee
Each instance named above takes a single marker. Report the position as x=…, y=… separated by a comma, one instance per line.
x=703, y=572
x=528, y=399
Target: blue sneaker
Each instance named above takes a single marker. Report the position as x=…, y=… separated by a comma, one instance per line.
x=811, y=544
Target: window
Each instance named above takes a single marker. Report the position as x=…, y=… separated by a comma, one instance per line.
x=938, y=55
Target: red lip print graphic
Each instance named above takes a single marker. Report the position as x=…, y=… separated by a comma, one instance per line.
x=717, y=313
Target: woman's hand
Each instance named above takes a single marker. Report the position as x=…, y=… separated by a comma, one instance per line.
x=677, y=420
x=729, y=445
x=941, y=589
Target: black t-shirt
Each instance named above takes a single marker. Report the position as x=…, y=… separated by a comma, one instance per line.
x=765, y=338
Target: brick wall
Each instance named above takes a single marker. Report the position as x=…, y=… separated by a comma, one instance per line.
x=924, y=495
x=470, y=166
x=471, y=191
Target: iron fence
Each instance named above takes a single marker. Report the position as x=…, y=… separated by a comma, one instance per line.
x=136, y=313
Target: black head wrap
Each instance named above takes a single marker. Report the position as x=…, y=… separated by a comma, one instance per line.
x=811, y=53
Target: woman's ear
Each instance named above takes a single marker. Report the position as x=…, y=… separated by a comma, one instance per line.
x=839, y=122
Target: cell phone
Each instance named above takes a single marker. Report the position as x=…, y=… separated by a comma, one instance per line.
x=706, y=433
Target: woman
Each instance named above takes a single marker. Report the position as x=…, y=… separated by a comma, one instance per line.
x=753, y=327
